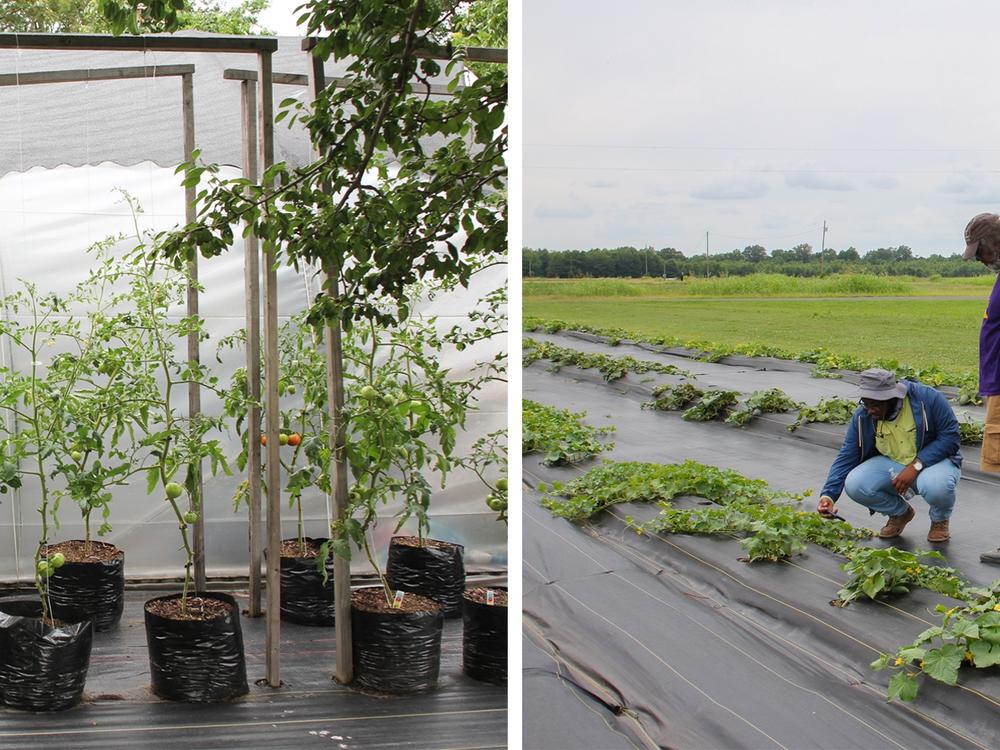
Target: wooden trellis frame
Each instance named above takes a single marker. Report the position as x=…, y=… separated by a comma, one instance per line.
x=264, y=48
x=317, y=81
x=335, y=397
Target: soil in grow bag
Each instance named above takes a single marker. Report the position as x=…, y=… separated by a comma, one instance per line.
x=305, y=599
x=196, y=655
x=396, y=650
x=92, y=581
x=43, y=667
x=484, y=635
x=434, y=570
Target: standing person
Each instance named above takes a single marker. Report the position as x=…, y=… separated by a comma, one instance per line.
x=902, y=441
x=982, y=243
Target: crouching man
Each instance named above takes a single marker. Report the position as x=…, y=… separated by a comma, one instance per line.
x=903, y=440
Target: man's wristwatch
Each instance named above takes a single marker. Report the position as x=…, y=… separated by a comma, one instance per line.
x=918, y=465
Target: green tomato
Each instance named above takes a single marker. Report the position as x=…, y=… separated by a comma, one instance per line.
x=43, y=566
x=173, y=490
x=76, y=456
x=496, y=503
x=368, y=393
x=57, y=560
x=190, y=517
x=283, y=439
x=459, y=345
x=290, y=389
x=501, y=484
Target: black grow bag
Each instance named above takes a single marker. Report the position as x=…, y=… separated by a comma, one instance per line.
x=396, y=652
x=42, y=668
x=435, y=572
x=97, y=589
x=484, y=641
x=197, y=661
x=305, y=599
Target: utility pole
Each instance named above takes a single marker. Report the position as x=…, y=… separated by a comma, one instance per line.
x=706, y=254
x=645, y=259
x=822, y=248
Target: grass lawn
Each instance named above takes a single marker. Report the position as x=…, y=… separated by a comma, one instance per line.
x=763, y=285
x=920, y=332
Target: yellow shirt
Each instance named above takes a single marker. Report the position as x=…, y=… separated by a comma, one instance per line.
x=898, y=439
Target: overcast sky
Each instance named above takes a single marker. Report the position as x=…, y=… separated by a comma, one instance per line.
x=280, y=15
x=650, y=122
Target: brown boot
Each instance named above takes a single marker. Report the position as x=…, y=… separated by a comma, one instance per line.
x=895, y=525
x=938, y=532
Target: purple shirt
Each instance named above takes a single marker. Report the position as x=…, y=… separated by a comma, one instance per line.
x=989, y=345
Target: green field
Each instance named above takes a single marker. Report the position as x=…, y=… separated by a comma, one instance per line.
x=937, y=325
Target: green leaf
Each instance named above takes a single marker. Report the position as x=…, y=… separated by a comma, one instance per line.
x=984, y=654
x=943, y=663
x=904, y=686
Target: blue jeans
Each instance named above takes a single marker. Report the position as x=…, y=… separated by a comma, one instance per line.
x=871, y=485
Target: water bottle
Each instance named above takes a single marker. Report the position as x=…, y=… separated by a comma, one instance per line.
x=910, y=492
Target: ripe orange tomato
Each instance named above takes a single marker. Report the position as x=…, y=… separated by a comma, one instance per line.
x=294, y=439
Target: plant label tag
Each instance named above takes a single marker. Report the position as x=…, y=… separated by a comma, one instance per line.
x=491, y=598
x=397, y=602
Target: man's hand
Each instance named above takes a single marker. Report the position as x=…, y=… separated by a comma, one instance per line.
x=904, y=479
x=825, y=506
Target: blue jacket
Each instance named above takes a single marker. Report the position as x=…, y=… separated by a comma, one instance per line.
x=937, y=436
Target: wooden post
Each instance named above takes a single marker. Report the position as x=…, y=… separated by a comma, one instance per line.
x=251, y=272
x=271, y=413
x=338, y=498
x=193, y=343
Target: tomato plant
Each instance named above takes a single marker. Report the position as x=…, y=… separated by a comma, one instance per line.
x=487, y=452
x=405, y=409
x=304, y=416
x=79, y=403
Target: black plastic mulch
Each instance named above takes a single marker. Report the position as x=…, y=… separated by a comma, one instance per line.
x=309, y=710
x=673, y=642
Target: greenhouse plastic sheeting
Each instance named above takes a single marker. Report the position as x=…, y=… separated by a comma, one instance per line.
x=128, y=121
x=672, y=641
x=309, y=710
x=51, y=217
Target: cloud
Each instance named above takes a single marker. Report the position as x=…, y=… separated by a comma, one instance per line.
x=737, y=189
x=571, y=209
x=958, y=184
x=602, y=184
x=971, y=190
x=883, y=183
x=817, y=181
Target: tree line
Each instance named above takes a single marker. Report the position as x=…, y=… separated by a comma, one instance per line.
x=801, y=260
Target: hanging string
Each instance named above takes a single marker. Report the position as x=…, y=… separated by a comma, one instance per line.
x=10, y=420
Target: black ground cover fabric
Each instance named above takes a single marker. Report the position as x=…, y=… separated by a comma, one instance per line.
x=309, y=710
x=673, y=642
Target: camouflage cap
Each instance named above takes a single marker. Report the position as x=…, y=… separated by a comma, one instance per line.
x=978, y=229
